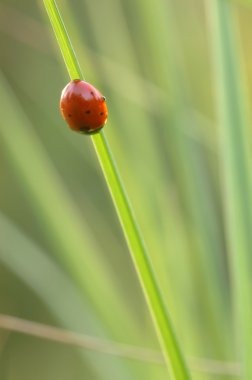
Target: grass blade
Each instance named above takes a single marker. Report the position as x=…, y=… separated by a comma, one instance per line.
x=143, y=267
x=55, y=334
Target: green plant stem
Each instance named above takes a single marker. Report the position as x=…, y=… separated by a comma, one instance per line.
x=170, y=347
x=141, y=261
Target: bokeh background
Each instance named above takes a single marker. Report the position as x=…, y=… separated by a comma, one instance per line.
x=63, y=258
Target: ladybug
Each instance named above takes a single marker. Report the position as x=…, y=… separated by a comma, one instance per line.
x=83, y=107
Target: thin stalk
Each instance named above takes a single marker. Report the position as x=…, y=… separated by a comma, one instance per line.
x=111, y=348
x=168, y=341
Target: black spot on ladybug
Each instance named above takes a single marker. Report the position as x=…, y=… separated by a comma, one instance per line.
x=88, y=111
x=101, y=113
x=69, y=115
x=91, y=92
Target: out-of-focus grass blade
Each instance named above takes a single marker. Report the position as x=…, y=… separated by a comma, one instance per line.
x=157, y=26
x=55, y=334
x=24, y=258
x=235, y=170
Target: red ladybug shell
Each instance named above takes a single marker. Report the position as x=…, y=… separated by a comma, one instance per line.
x=83, y=107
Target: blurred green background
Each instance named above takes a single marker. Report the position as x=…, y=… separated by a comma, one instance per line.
x=63, y=258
